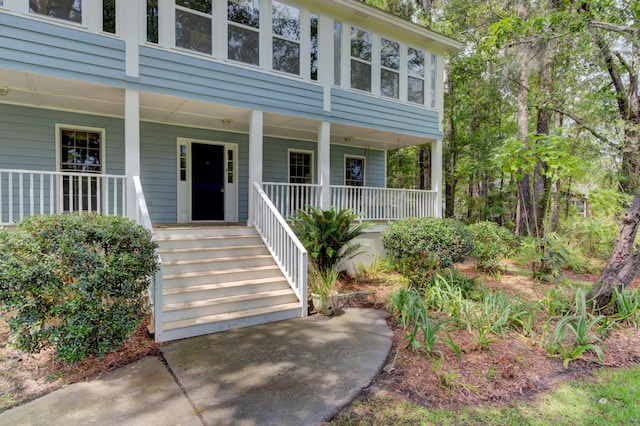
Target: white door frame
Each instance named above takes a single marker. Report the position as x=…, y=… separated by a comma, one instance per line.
x=184, y=179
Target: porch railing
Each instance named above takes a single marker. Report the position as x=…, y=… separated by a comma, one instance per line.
x=369, y=203
x=289, y=197
x=33, y=192
x=154, y=291
x=284, y=246
x=384, y=203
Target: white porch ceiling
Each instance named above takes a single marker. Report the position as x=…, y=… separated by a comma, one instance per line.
x=63, y=94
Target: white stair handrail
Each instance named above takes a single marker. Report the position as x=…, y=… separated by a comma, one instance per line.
x=283, y=244
x=154, y=290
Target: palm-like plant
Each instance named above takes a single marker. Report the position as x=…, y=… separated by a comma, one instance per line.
x=327, y=235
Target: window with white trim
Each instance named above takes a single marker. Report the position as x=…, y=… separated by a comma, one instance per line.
x=193, y=25
x=390, y=69
x=361, y=59
x=152, y=21
x=415, y=76
x=432, y=103
x=300, y=167
x=354, y=170
x=67, y=10
x=81, y=151
x=109, y=16
x=337, y=53
x=286, y=38
x=243, y=31
x=314, y=47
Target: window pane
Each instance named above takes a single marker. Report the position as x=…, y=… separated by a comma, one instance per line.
x=109, y=16
x=433, y=81
x=244, y=45
x=152, y=21
x=354, y=171
x=245, y=12
x=299, y=167
x=415, y=62
x=416, y=90
x=203, y=6
x=390, y=84
x=286, y=56
x=286, y=21
x=314, y=47
x=361, y=76
x=193, y=32
x=337, y=53
x=361, y=44
x=390, y=54
x=67, y=10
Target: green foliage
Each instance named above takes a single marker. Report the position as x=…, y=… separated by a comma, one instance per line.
x=326, y=234
x=427, y=244
x=491, y=244
x=74, y=282
x=578, y=331
x=627, y=306
x=595, y=236
x=323, y=283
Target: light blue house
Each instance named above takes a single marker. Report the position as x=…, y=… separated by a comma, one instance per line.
x=211, y=112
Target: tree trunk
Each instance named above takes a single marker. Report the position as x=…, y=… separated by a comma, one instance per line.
x=624, y=264
x=524, y=192
x=449, y=160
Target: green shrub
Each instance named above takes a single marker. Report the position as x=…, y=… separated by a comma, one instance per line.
x=595, y=236
x=491, y=244
x=427, y=244
x=327, y=235
x=74, y=282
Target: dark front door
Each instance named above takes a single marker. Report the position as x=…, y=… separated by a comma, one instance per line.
x=207, y=191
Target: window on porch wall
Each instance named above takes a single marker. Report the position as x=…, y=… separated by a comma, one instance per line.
x=301, y=172
x=80, y=152
x=193, y=25
x=67, y=10
x=286, y=38
x=243, y=31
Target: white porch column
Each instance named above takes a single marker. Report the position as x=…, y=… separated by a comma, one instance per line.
x=131, y=146
x=324, y=163
x=436, y=174
x=256, y=119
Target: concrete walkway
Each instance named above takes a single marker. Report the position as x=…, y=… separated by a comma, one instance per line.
x=297, y=372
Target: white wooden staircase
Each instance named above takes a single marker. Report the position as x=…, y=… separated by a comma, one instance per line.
x=218, y=278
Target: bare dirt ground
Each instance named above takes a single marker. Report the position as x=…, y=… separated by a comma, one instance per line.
x=511, y=369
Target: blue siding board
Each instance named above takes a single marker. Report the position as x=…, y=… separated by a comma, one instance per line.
x=238, y=86
x=35, y=46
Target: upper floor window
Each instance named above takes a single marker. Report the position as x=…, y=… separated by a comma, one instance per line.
x=390, y=69
x=152, y=21
x=314, y=47
x=243, y=31
x=109, y=16
x=361, y=57
x=415, y=76
x=286, y=38
x=433, y=81
x=337, y=53
x=69, y=10
x=193, y=25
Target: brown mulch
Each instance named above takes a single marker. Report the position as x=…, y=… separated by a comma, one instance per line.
x=512, y=369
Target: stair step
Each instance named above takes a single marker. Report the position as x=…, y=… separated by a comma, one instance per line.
x=212, y=252
x=181, y=306
x=217, y=264
x=177, y=242
x=237, y=316
x=204, y=232
x=206, y=291
x=219, y=276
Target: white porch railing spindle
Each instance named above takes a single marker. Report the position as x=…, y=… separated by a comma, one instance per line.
x=26, y=193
